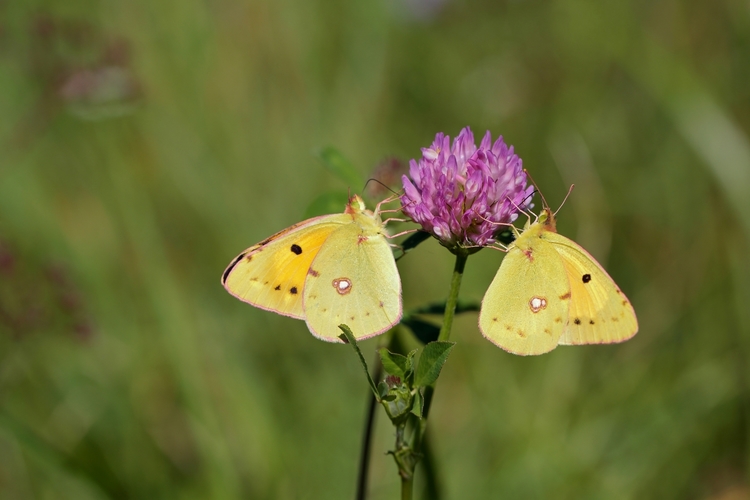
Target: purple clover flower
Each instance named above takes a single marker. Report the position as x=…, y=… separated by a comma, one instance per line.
x=462, y=194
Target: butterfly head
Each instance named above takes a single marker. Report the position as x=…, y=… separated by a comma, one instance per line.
x=356, y=205
x=547, y=220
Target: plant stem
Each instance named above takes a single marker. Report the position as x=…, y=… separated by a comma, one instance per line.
x=407, y=486
x=364, y=458
x=407, y=457
x=403, y=452
x=394, y=344
x=445, y=333
x=450, y=305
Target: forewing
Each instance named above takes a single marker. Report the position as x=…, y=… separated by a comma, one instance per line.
x=599, y=312
x=271, y=275
x=526, y=306
x=354, y=281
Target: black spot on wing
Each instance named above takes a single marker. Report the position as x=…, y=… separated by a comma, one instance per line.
x=577, y=321
x=278, y=287
x=293, y=290
x=229, y=269
x=296, y=249
x=586, y=278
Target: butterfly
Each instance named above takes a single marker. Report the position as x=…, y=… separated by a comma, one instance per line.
x=327, y=270
x=549, y=291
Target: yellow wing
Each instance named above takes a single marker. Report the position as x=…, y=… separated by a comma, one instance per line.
x=599, y=311
x=525, y=309
x=271, y=275
x=353, y=280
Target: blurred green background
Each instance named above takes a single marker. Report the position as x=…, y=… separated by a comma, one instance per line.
x=144, y=144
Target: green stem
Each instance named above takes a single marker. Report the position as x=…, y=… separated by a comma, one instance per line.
x=407, y=471
x=450, y=305
x=364, y=459
x=393, y=344
x=407, y=486
x=445, y=333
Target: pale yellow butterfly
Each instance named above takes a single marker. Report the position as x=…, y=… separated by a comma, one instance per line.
x=549, y=291
x=328, y=270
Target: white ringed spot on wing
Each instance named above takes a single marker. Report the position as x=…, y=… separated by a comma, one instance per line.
x=536, y=304
x=342, y=285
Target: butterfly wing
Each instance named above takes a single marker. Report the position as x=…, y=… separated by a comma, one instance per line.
x=525, y=309
x=599, y=311
x=271, y=275
x=354, y=281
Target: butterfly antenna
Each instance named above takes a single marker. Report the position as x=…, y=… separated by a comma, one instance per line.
x=536, y=188
x=527, y=214
x=565, y=199
x=529, y=196
x=372, y=179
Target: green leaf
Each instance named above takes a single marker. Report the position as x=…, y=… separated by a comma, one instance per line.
x=418, y=404
x=348, y=337
x=393, y=363
x=382, y=389
x=341, y=167
x=431, y=362
x=332, y=202
x=409, y=372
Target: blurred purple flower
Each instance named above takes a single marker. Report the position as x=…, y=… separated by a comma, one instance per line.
x=462, y=195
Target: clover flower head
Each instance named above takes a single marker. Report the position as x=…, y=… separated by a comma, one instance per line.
x=462, y=194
